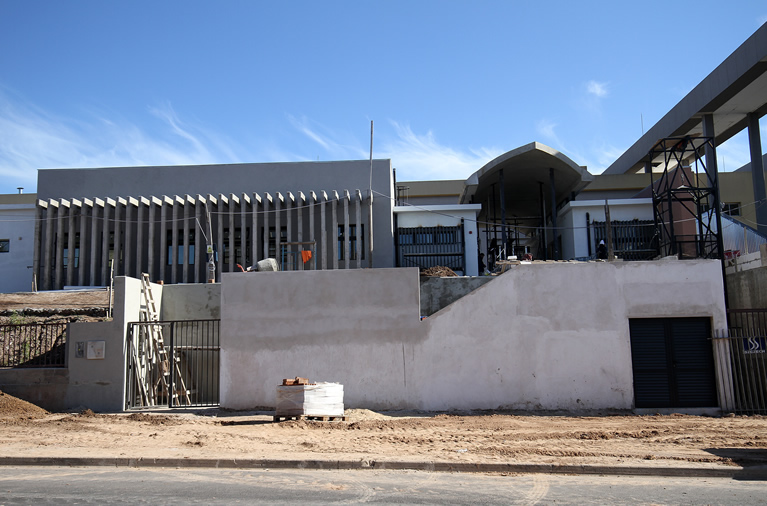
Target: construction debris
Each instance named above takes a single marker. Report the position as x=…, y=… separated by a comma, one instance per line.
x=297, y=381
x=320, y=400
x=266, y=265
x=439, y=271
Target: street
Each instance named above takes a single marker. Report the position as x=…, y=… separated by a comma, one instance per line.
x=58, y=485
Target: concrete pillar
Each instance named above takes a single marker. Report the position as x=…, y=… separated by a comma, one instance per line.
x=166, y=202
x=554, y=213
x=141, y=210
x=757, y=172
x=174, y=239
x=96, y=224
x=254, y=227
x=312, y=203
x=49, y=217
x=232, y=229
x=151, y=266
x=266, y=221
x=107, y=227
x=87, y=205
x=300, y=208
x=290, y=202
x=358, y=229
x=199, y=247
x=323, y=249
x=119, y=213
x=347, y=238
x=278, y=227
x=186, y=207
x=40, y=205
x=131, y=210
x=334, y=227
x=71, y=244
x=61, y=214
x=220, y=235
x=713, y=174
x=245, y=204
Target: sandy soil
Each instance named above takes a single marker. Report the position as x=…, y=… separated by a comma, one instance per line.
x=29, y=431
x=62, y=302
x=673, y=440
x=54, y=299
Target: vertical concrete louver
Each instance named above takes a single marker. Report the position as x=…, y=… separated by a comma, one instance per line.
x=77, y=239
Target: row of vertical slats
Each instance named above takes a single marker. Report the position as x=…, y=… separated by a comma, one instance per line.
x=110, y=227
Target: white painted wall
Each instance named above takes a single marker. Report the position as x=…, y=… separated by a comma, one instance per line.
x=572, y=219
x=446, y=216
x=541, y=336
x=17, y=223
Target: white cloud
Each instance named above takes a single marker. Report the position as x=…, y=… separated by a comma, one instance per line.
x=336, y=145
x=32, y=138
x=597, y=89
x=545, y=128
x=415, y=156
x=423, y=157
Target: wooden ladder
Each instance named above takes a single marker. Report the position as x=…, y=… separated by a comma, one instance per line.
x=157, y=355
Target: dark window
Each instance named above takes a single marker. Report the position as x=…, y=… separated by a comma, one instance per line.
x=731, y=208
x=5, y=245
x=180, y=247
x=352, y=243
x=77, y=250
x=272, y=242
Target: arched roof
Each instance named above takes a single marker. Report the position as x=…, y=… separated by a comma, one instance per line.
x=526, y=170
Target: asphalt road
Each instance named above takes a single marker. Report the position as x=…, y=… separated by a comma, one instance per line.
x=71, y=485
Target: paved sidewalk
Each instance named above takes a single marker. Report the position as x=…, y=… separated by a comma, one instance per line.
x=697, y=471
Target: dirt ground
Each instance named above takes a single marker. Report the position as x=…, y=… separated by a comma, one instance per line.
x=492, y=437
x=671, y=440
x=64, y=303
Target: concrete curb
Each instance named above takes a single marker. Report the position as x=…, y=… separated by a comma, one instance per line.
x=748, y=473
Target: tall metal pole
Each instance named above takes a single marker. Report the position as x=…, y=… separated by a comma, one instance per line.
x=370, y=202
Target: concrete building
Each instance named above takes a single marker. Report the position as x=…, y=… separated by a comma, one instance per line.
x=160, y=220
x=17, y=229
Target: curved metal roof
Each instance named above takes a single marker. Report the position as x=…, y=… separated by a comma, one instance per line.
x=526, y=170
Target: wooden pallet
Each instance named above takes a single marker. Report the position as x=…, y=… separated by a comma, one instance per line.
x=281, y=418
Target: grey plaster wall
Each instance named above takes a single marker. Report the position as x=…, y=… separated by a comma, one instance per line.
x=350, y=326
x=746, y=289
x=438, y=293
x=541, y=336
x=191, y=302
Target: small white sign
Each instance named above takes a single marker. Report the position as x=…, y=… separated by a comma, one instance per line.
x=95, y=350
x=210, y=249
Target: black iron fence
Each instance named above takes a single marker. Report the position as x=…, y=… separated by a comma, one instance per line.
x=426, y=247
x=742, y=361
x=632, y=240
x=173, y=364
x=33, y=345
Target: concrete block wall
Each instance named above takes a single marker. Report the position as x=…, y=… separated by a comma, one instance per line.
x=86, y=383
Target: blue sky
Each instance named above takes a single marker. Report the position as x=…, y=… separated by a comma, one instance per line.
x=449, y=85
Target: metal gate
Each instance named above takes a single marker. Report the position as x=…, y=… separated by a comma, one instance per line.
x=673, y=363
x=172, y=364
x=426, y=247
x=742, y=353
